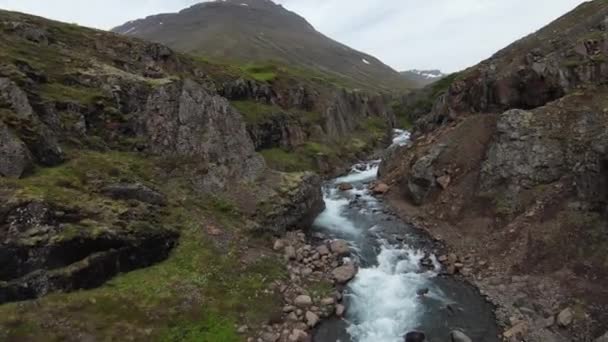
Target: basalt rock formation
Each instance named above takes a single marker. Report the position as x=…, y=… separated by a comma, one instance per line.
x=509, y=166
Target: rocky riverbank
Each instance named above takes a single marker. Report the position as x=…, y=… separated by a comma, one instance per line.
x=317, y=274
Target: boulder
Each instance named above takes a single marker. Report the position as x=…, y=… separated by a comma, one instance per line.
x=303, y=301
x=444, y=181
x=415, y=336
x=298, y=335
x=340, y=247
x=565, y=317
x=340, y=310
x=603, y=338
x=15, y=158
x=344, y=274
x=135, y=191
x=459, y=336
x=290, y=253
x=323, y=250
x=312, y=319
x=380, y=188
x=345, y=186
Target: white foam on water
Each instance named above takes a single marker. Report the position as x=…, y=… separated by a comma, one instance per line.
x=383, y=303
x=401, y=137
x=355, y=176
x=332, y=217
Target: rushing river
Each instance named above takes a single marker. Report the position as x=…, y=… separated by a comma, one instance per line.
x=382, y=301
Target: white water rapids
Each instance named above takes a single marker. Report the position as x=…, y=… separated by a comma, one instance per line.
x=383, y=304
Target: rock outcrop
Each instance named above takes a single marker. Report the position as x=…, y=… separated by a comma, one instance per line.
x=510, y=167
x=183, y=119
x=47, y=249
x=15, y=158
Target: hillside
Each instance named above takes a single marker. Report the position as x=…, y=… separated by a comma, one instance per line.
x=261, y=31
x=138, y=199
x=508, y=166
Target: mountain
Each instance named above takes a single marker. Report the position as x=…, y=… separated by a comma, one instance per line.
x=139, y=190
x=509, y=164
x=260, y=31
x=422, y=78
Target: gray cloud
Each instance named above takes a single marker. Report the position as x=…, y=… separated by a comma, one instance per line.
x=406, y=34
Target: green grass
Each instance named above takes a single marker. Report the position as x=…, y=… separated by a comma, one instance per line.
x=255, y=112
x=264, y=72
x=197, y=294
x=62, y=93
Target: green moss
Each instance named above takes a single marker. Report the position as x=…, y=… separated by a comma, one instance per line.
x=261, y=72
x=62, y=93
x=255, y=112
x=213, y=328
x=289, y=161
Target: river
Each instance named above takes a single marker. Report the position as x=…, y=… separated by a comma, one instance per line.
x=396, y=263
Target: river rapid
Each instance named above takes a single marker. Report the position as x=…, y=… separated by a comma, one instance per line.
x=396, y=264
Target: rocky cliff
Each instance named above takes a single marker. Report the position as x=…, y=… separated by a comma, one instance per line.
x=509, y=167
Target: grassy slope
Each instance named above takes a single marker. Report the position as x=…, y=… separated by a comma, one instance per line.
x=261, y=32
x=207, y=285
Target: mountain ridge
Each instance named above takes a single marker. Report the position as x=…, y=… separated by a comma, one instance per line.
x=261, y=31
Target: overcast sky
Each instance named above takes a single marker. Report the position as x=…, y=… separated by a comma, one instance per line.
x=406, y=34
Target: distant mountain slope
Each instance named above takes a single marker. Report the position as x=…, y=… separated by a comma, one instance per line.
x=247, y=31
x=422, y=78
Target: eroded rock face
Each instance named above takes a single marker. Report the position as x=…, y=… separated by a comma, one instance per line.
x=296, y=204
x=422, y=177
x=21, y=117
x=15, y=158
x=184, y=119
x=46, y=249
x=522, y=153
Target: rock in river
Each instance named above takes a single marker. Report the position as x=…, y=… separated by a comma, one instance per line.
x=344, y=274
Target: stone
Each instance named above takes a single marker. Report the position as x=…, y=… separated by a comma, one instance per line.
x=323, y=250
x=415, y=336
x=459, y=336
x=15, y=158
x=270, y=337
x=303, y=301
x=345, y=186
x=516, y=331
x=422, y=292
x=340, y=247
x=135, y=191
x=565, y=318
x=242, y=329
x=603, y=338
x=340, y=310
x=278, y=245
x=344, y=274
x=298, y=335
x=380, y=188
x=327, y=301
x=444, y=181
x=312, y=319
x=290, y=253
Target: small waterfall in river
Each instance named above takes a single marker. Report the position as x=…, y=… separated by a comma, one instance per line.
x=382, y=301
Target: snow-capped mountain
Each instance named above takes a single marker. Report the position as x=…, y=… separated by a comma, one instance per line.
x=423, y=77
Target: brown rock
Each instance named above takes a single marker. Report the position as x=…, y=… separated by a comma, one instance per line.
x=565, y=318
x=340, y=247
x=444, y=181
x=303, y=301
x=344, y=274
x=290, y=253
x=518, y=330
x=312, y=319
x=279, y=245
x=380, y=188
x=340, y=310
x=345, y=186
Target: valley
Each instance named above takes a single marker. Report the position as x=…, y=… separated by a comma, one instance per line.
x=180, y=179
